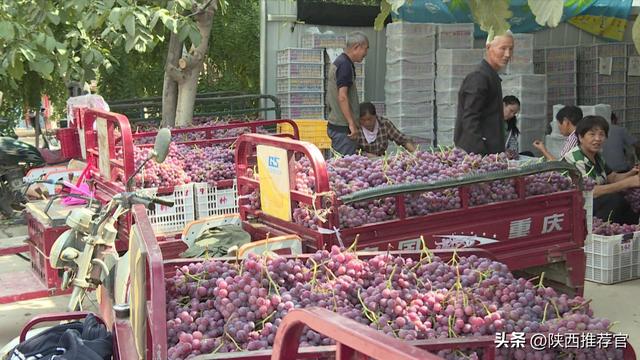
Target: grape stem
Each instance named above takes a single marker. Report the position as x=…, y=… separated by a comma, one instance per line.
x=389, y=280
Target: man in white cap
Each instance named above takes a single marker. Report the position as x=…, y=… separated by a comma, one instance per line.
x=479, y=124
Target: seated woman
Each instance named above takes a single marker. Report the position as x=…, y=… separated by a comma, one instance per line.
x=511, y=108
x=608, y=199
x=376, y=132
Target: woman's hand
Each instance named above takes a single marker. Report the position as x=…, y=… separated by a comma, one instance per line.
x=539, y=145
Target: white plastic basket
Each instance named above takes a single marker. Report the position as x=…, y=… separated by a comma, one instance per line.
x=448, y=83
x=444, y=137
x=447, y=97
x=530, y=108
x=408, y=96
x=300, y=70
x=211, y=200
x=448, y=70
x=303, y=112
x=408, y=69
x=405, y=109
x=412, y=29
x=299, y=85
x=166, y=219
x=407, y=44
x=455, y=36
x=303, y=98
x=612, y=259
x=405, y=85
x=393, y=56
x=314, y=56
x=459, y=56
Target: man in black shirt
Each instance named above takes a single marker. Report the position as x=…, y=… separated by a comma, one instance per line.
x=342, y=95
x=479, y=121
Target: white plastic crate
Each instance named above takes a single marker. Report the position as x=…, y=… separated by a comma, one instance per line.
x=612, y=259
x=530, y=108
x=164, y=219
x=518, y=68
x=523, y=41
x=562, y=92
x=448, y=70
x=609, y=90
x=567, y=53
x=446, y=97
x=296, y=55
x=561, y=79
x=444, y=137
x=616, y=77
x=446, y=123
x=553, y=67
x=447, y=110
x=405, y=109
x=304, y=98
x=411, y=29
x=394, y=56
x=445, y=83
x=616, y=102
x=404, y=85
x=459, y=56
x=211, y=200
x=532, y=95
x=359, y=69
x=455, y=36
x=299, y=85
x=528, y=82
x=303, y=112
x=409, y=96
x=408, y=44
x=323, y=40
x=408, y=69
x=412, y=125
x=300, y=70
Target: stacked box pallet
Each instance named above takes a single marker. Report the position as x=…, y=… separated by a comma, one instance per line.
x=452, y=67
x=632, y=112
x=522, y=60
x=531, y=90
x=561, y=68
x=300, y=83
x=603, y=76
x=409, y=77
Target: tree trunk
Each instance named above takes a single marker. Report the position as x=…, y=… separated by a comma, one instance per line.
x=170, y=86
x=188, y=87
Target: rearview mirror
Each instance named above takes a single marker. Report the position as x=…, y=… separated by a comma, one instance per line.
x=161, y=146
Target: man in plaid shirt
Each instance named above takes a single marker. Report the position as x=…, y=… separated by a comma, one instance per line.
x=568, y=117
x=376, y=132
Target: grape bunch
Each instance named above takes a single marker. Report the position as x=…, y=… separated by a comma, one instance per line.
x=601, y=227
x=215, y=306
x=208, y=164
x=166, y=174
x=353, y=173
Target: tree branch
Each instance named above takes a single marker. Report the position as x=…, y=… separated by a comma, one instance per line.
x=175, y=74
x=202, y=9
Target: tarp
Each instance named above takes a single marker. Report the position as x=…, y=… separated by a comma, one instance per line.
x=603, y=18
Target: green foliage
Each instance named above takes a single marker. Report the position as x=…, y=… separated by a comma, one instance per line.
x=45, y=44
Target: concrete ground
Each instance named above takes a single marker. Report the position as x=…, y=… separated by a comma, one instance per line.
x=618, y=303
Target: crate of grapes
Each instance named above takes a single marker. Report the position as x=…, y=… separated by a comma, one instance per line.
x=613, y=253
x=529, y=217
x=255, y=306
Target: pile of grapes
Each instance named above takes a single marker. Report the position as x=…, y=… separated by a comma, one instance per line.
x=185, y=164
x=601, y=227
x=216, y=306
x=201, y=135
x=352, y=173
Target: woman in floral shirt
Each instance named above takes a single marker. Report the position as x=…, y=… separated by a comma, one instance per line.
x=608, y=194
x=376, y=132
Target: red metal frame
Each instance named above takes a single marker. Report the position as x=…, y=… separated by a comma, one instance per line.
x=493, y=221
x=65, y=316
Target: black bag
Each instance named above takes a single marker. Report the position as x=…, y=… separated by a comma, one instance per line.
x=87, y=340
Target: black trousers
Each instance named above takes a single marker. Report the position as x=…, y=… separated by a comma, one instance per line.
x=614, y=207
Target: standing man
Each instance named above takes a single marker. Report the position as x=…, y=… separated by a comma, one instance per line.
x=479, y=122
x=342, y=95
x=620, y=147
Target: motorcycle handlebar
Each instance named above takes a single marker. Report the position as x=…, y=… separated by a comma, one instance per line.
x=150, y=202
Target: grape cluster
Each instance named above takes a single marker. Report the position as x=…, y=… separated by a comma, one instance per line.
x=166, y=174
x=601, y=227
x=199, y=123
x=352, y=173
x=216, y=306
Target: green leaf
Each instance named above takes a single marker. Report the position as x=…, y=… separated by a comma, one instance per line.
x=195, y=36
x=385, y=10
x=54, y=17
x=491, y=15
x=50, y=43
x=547, y=12
x=6, y=30
x=114, y=17
x=17, y=70
x=635, y=34
x=28, y=54
x=172, y=25
x=129, y=43
x=142, y=18
x=184, y=32
x=43, y=66
x=130, y=24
